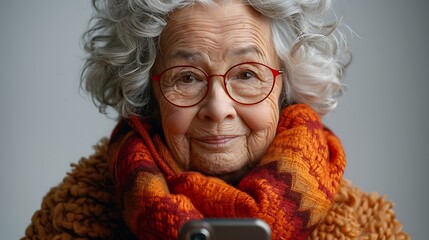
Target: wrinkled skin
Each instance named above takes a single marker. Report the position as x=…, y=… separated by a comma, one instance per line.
x=218, y=136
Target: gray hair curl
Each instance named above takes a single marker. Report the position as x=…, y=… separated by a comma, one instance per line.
x=122, y=44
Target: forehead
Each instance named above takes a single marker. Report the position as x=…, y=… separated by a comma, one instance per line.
x=228, y=28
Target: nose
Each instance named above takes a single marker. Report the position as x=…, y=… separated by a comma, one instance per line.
x=217, y=105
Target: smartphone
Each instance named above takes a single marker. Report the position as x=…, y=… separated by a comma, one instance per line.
x=225, y=229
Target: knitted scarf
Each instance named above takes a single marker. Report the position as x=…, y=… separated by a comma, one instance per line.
x=291, y=188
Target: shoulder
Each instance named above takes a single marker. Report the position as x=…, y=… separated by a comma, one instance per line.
x=82, y=205
x=359, y=215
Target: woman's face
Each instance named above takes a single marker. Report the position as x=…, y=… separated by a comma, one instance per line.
x=218, y=136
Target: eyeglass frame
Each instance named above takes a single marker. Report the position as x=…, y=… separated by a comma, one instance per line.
x=275, y=72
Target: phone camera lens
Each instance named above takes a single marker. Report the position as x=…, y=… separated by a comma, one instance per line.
x=198, y=236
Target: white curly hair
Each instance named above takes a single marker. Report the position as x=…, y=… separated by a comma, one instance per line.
x=122, y=44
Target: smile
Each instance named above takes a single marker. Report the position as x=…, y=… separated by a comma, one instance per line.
x=215, y=140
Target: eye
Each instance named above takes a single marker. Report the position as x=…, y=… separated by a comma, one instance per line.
x=188, y=78
x=245, y=75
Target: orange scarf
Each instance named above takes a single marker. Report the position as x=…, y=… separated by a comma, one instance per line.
x=291, y=188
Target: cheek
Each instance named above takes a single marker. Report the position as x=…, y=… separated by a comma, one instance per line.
x=265, y=120
x=263, y=126
x=268, y=113
x=175, y=120
x=175, y=124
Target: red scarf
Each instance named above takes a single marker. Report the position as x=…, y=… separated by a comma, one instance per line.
x=291, y=188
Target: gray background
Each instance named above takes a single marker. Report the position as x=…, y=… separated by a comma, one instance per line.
x=46, y=124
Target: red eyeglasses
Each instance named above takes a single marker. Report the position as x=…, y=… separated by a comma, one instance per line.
x=246, y=83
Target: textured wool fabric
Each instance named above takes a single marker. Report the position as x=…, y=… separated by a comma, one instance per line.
x=291, y=188
x=82, y=206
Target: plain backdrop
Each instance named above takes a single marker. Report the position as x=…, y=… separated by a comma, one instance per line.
x=47, y=123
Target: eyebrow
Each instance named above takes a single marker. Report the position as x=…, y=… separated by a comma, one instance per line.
x=247, y=50
x=185, y=54
x=191, y=56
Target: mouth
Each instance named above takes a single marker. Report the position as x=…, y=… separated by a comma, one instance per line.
x=216, y=141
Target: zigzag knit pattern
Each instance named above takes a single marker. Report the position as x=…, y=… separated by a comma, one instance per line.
x=291, y=188
x=82, y=207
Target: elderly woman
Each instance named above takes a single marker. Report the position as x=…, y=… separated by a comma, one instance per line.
x=207, y=93
x=219, y=106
